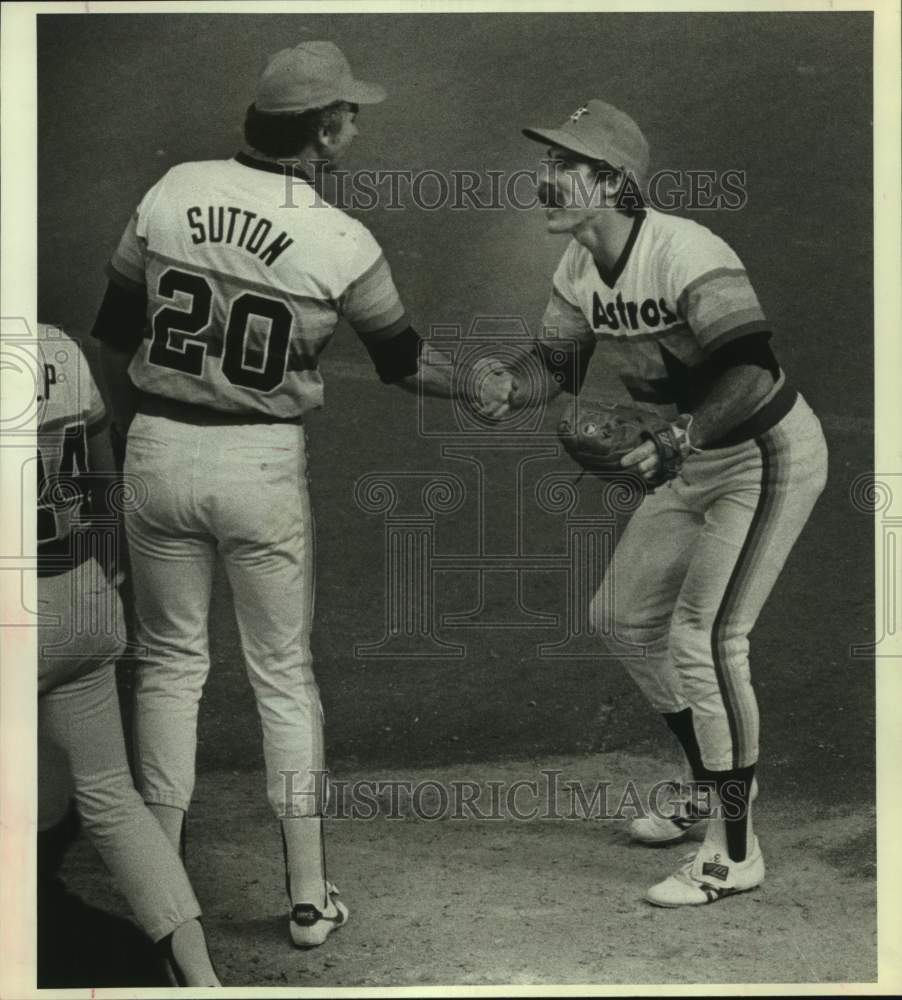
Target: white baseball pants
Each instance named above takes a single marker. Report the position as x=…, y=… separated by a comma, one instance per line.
x=694, y=568
x=79, y=710
x=241, y=492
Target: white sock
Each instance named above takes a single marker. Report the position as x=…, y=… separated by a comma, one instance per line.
x=305, y=860
x=189, y=950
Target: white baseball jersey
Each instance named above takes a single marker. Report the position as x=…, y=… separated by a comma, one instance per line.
x=247, y=273
x=71, y=408
x=677, y=293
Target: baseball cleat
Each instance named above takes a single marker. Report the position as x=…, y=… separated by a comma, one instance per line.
x=310, y=926
x=707, y=877
x=684, y=810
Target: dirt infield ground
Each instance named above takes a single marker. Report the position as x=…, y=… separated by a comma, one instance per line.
x=784, y=97
x=456, y=901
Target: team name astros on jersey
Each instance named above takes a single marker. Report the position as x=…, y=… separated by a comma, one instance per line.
x=627, y=314
x=227, y=224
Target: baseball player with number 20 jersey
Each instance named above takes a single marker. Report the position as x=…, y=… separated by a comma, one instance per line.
x=668, y=306
x=225, y=288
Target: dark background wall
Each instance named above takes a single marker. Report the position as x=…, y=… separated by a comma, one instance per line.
x=784, y=97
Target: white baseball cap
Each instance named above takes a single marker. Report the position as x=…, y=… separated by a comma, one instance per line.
x=311, y=75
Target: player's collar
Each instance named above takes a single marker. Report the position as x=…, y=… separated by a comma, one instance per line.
x=610, y=277
x=271, y=166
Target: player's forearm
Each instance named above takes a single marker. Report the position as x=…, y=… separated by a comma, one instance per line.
x=486, y=386
x=431, y=378
x=734, y=396
x=122, y=392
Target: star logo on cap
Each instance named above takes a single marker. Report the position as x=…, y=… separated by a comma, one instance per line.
x=575, y=117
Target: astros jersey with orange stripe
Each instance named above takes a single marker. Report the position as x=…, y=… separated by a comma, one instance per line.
x=247, y=273
x=677, y=293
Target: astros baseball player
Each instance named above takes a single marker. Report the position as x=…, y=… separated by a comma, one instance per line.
x=223, y=294
x=669, y=307
x=78, y=644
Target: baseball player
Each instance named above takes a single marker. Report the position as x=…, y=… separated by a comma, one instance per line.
x=223, y=293
x=79, y=643
x=669, y=307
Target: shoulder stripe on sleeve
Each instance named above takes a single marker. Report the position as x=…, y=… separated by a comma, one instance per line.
x=372, y=270
x=727, y=319
x=383, y=325
x=708, y=276
x=371, y=303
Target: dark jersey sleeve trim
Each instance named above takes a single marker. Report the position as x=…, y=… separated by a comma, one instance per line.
x=751, y=349
x=398, y=357
x=127, y=283
x=120, y=319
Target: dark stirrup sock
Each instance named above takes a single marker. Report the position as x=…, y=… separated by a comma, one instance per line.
x=680, y=724
x=734, y=789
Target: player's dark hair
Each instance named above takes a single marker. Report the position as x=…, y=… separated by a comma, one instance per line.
x=629, y=199
x=288, y=134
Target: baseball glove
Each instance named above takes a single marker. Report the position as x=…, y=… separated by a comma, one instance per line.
x=598, y=435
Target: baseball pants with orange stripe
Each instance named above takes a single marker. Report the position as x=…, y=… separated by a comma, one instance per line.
x=694, y=568
x=239, y=492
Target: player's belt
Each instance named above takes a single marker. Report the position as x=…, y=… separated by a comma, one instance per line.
x=761, y=420
x=192, y=413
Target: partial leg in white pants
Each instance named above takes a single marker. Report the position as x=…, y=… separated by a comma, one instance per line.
x=273, y=591
x=173, y=580
x=645, y=576
x=83, y=718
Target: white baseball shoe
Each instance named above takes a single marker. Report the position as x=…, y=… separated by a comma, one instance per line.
x=709, y=876
x=682, y=812
x=310, y=926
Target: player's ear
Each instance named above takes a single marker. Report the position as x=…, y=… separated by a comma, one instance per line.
x=326, y=141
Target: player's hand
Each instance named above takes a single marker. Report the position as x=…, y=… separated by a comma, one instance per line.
x=643, y=460
x=494, y=388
